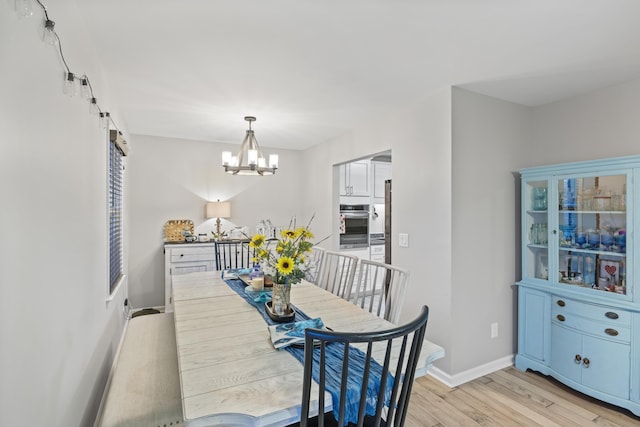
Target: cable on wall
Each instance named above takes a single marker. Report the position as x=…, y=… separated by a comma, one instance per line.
x=72, y=80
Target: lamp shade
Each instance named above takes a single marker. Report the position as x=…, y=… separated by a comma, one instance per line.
x=218, y=209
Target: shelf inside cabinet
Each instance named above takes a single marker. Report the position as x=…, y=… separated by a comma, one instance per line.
x=589, y=212
x=534, y=246
x=591, y=251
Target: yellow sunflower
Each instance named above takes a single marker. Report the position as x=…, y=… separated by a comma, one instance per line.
x=288, y=234
x=257, y=241
x=285, y=265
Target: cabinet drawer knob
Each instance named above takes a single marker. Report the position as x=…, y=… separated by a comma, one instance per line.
x=611, y=332
x=560, y=303
x=578, y=359
x=611, y=315
x=586, y=362
x=181, y=254
x=560, y=317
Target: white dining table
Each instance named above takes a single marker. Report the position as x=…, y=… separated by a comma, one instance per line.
x=230, y=373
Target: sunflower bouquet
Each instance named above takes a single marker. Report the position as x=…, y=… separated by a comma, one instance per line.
x=285, y=259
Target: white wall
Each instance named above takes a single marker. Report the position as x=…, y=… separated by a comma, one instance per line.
x=58, y=334
x=175, y=178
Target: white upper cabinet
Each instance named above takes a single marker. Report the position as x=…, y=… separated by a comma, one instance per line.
x=354, y=178
x=381, y=173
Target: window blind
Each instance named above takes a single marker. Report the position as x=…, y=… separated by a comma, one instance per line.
x=116, y=168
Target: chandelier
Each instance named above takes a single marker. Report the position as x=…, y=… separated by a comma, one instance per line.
x=249, y=160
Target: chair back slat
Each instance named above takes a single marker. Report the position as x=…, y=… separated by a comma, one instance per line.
x=380, y=289
x=337, y=272
x=233, y=254
x=315, y=264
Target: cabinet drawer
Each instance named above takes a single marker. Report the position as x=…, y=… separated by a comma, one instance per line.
x=593, y=327
x=192, y=254
x=377, y=250
x=598, y=313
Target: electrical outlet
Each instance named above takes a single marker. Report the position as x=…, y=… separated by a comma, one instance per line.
x=403, y=240
x=494, y=330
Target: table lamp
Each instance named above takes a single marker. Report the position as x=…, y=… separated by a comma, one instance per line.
x=218, y=210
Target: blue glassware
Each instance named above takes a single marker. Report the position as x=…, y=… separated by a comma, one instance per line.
x=539, y=198
x=620, y=240
x=606, y=239
x=594, y=239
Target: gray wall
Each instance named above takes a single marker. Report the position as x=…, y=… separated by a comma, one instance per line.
x=58, y=331
x=420, y=140
x=489, y=143
x=597, y=125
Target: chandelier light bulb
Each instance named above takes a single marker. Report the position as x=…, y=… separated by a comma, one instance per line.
x=252, y=157
x=23, y=8
x=226, y=158
x=49, y=35
x=69, y=84
x=273, y=161
x=262, y=162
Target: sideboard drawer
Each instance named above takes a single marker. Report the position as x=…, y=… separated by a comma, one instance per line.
x=192, y=254
x=593, y=327
x=613, y=316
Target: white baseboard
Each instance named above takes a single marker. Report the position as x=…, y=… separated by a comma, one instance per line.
x=471, y=374
x=103, y=399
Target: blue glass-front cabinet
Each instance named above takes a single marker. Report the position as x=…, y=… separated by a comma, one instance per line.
x=578, y=304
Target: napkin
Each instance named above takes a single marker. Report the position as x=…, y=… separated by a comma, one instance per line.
x=234, y=273
x=285, y=334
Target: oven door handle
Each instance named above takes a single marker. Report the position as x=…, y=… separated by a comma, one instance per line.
x=355, y=215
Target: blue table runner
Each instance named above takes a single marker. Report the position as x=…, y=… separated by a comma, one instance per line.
x=333, y=366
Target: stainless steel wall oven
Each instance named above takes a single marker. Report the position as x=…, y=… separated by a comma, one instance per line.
x=356, y=226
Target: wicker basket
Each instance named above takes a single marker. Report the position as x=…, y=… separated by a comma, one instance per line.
x=174, y=229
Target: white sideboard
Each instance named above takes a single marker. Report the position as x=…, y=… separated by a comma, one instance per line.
x=183, y=258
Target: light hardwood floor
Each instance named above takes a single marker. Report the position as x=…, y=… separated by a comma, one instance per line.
x=509, y=397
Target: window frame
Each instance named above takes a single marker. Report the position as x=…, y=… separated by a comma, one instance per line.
x=117, y=151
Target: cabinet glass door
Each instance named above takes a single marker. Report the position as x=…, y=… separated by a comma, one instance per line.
x=536, y=256
x=592, y=223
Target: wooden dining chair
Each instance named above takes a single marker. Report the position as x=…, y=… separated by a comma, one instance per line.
x=337, y=272
x=389, y=377
x=233, y=254
x=315, y=264
x=380, y=289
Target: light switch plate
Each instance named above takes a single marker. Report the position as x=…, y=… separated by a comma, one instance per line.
x=403, y=240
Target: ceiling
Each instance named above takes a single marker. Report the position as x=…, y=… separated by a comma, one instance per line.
x=310, y=69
